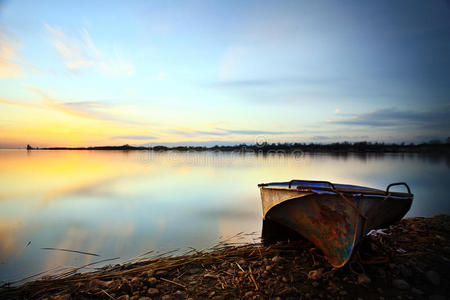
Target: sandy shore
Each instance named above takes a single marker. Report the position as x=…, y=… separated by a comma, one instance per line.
x=409, y=260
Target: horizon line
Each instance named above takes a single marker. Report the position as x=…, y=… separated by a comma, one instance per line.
x=237, y=144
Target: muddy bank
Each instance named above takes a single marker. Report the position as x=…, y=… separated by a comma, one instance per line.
x=409, y=260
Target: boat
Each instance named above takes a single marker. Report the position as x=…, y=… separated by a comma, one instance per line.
x=334, y=217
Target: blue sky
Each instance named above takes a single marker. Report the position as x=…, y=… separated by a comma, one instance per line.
x=95, y=72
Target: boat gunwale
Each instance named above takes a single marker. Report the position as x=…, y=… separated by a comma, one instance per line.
x=364, y=191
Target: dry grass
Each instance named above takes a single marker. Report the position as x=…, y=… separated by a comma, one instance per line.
x=234, y=270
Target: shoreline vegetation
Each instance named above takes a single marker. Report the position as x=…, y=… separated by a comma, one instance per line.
x=408, y=260
x=344, y=147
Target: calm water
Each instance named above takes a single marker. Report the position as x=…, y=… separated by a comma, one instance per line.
x=126, y=203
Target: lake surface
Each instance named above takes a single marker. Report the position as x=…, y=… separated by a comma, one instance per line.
x=122, y=204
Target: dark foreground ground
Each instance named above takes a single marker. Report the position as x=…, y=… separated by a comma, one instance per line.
x=410, y=260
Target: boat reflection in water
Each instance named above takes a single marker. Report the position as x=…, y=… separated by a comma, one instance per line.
x=334, y=217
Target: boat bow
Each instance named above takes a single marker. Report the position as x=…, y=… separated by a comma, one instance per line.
x=332, y=216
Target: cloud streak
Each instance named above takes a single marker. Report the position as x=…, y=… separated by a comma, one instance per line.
x=83, y=109
x=80, y=53
x=228, y=132
x=9, y=58
x=278, y=81
x=20, y=104
x=133, y=137
x=392, y=117
x=253, y=132
x=327, y=138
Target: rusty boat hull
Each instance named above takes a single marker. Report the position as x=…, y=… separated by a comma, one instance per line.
x=334, y=217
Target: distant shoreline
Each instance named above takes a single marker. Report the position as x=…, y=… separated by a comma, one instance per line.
x=345, y=147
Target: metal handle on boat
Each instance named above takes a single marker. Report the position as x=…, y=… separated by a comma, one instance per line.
x=299, y=180
x=398, y=183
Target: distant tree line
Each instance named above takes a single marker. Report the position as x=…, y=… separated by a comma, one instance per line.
x=364, y=146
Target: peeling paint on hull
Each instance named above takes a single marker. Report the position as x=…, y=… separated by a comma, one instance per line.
x=331, y=218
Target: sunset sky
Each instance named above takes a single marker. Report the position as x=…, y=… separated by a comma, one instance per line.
x=85, y=73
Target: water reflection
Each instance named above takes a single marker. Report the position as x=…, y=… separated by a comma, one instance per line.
x=118, y=203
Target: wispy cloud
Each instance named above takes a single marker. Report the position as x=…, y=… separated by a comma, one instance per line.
x=228, y=132
x=20, y=104
x=72, y=52
x=133, y=137
x=84, y=109
x=211, y=132
x=277, y=81
x=253, y=132
x=392, y=117
x=338, y=138
x=9, y=59
x=81, y=52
